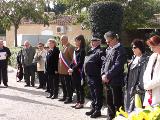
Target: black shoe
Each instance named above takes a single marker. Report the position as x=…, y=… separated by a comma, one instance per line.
x=68, y=101
x=90, y=112
x=27, y=86
x=96, y=114
x=44, y=87
x=49, y=96
x=33, y=85
x=63, y=99
x=6, y=85
x=39, y=87
x=47, y=91
x=54, y=97
x=110, y=117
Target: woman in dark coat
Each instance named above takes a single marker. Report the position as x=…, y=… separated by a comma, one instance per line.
x=77, y=70
x=134, y=79
x=51, y=69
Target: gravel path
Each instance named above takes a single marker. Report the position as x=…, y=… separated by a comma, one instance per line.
x=21, y=103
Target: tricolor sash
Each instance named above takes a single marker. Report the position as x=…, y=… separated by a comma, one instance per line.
x=74, y=58
x=80, y=70
x=64, y=61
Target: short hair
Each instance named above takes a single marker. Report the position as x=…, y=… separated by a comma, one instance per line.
x=52, y=41
x=139, y=44
x=64, y=37
x=41, y=44
x=26, y=41
x=153, y=41
x=111, y=35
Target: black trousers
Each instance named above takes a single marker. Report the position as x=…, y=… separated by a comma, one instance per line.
x=41, y=77
x=4, y=74
x=114, y=99
x=96, y=91
x=76, y=80
x=66, y=86
x=53, y=84
x=46, y=81
x=29, y=71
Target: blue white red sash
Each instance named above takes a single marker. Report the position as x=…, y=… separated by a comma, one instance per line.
x=74, y=58
x=63, y=60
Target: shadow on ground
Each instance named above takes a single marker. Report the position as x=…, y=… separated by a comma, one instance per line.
x=17, y=98
x=33, y=92
x=2, y=115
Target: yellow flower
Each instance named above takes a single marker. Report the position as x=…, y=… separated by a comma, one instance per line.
x=121, y=112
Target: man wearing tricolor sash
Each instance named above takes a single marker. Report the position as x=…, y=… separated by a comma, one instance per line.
x=65, y=59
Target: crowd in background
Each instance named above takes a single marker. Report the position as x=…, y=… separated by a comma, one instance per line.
x=73, y=66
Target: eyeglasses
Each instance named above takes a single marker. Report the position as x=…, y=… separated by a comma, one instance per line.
x=39, y=46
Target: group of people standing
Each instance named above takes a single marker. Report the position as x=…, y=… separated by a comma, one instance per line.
x=73, y=66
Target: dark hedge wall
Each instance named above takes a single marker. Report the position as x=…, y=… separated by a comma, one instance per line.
x=105, y=16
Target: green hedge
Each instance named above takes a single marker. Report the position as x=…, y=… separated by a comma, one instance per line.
x=104, y=17
x=14, y=52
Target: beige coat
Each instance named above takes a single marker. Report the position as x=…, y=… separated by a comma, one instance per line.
x=68, y=55
x=40, y=58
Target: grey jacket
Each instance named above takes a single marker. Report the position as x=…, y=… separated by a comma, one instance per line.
x=134, y=83
x=28, y=56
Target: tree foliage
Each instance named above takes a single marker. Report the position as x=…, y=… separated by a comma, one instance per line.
x=13, y=11
x=105, y=16
x=137, y=13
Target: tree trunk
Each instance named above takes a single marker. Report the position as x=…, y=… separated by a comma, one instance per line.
x=15, y=35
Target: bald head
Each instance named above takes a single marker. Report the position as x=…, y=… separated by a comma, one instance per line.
x=26, y=44
x=64, y=39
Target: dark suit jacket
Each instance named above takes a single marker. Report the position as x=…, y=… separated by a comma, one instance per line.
x=51, y=64
x=93, y=63
x=5, y=62
x=113, y=65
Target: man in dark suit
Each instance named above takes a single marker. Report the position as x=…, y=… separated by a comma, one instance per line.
x=92, y=69
x=28, y=53
x=113, y=73
x=4, y=56
x=51, y=69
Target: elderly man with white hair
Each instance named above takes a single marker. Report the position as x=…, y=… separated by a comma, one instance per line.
x=4, y=55
x=65, y=59
x=28, y=53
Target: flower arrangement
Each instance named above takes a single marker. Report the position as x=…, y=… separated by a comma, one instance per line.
x=148, y=113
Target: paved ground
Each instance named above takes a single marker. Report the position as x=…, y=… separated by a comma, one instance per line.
x=20, y=103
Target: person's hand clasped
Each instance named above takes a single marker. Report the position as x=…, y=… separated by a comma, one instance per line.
x=104, y=79
x=70, y=71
